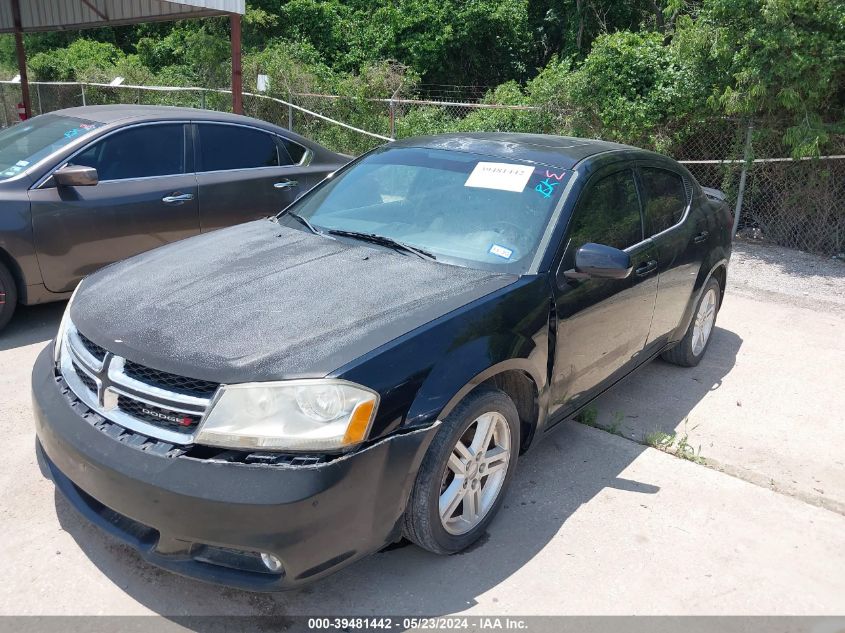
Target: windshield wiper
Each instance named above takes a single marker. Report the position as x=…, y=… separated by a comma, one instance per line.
x=383, y=240
x=304, y=221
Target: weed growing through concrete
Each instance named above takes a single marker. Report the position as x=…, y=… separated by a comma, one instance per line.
x=674, y=444
x=589, y=416
x=616, y=423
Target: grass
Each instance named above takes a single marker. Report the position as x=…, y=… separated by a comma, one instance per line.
x=672, y=443
x=616, y=423
x=675, y=444
x=589, y=416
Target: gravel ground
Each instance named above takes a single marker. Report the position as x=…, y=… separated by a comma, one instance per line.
x=787, y=275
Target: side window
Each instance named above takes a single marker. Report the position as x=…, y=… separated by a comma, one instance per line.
x=609, y=213
x=664, y=198
x=139, y=152
x=225, y=147
x=294, y=150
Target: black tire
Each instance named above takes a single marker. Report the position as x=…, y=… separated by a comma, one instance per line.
x=682, y=353
x=422, y=522
x=8, y=296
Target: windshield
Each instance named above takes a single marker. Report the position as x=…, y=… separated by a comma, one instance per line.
x=26, y=143
x=466, y=209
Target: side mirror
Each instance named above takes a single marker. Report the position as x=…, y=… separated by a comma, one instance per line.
x=600, y=262
x=75, y=176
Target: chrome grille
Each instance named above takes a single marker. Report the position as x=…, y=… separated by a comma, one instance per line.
x=144, y=400
x=95, y=350
x=158, y=416
x=86, y=380
x=164, y=380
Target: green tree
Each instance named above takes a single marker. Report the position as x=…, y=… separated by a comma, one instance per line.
x=82, y=60
x=782, y=60
x=628, y=86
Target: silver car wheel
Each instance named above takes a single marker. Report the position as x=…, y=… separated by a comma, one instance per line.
x=704, y=320
x=475, y=473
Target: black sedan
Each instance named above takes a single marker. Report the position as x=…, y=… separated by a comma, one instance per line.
x=84, y=187
x=265, y=404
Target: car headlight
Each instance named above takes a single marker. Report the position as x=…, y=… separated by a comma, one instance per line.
x=294, y=415
x=60, y=335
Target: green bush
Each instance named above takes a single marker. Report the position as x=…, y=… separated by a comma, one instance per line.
x=629, y=86
x=83, y=60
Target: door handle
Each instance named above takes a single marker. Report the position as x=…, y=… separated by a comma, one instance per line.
x=645, y=269
x=701, y=237
x=286, y=184
x=177, y=198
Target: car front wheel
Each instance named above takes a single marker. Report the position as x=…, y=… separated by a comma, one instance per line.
x=465, y=473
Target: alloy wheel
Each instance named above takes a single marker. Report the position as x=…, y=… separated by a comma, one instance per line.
x=475, y=472
x=704, y=320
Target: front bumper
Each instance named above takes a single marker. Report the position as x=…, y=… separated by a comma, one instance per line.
x=187, y=515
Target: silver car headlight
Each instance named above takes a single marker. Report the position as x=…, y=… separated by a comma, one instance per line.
x=293, y=415
x=59, y=343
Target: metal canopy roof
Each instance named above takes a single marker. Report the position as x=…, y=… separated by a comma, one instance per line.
x=57, y=15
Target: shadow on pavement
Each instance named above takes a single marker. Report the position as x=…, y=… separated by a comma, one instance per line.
x=660, y=396
x=552, y=483
x=32, y=324
x=565, y=472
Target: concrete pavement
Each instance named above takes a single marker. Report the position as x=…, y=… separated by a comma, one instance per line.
x=594, y=524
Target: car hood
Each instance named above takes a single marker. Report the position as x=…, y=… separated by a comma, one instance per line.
x=261, y=301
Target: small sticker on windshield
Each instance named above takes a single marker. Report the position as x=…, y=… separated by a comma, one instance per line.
x=501, y=251
x=503, y=176
x=22, y=163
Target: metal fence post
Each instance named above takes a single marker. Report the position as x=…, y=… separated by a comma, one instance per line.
x=290, y=112
x=38, y=94
x=740, y=194
x=83, y=93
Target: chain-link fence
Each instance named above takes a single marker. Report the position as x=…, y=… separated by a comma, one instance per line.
x=795, y=203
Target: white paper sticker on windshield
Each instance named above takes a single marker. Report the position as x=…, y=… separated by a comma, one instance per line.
x=22, y=163
x=501, y=251
x=504, y=176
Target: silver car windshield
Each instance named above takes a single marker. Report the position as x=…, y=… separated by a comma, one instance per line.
x=464, y=208
x=27, y=143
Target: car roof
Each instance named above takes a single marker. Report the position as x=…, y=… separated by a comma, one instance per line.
x=119, y=114
x=561, y=151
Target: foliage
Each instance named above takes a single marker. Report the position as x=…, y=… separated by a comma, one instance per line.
x=644, y=72
x=629, y=85
x=82, y=60
x=777, y=59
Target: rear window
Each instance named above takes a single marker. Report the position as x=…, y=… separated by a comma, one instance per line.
x=27, y=143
